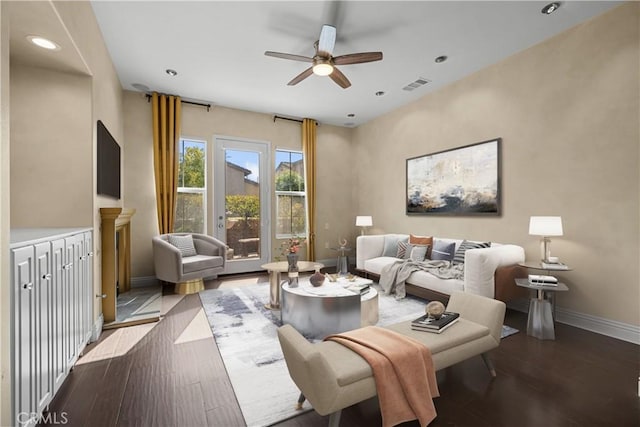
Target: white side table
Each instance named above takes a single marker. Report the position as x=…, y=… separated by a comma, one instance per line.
x=540, y=323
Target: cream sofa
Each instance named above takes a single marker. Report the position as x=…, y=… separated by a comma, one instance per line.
x=332, y=377
x=489, y=272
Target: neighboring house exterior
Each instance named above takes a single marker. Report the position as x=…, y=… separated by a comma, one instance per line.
x=237, y=181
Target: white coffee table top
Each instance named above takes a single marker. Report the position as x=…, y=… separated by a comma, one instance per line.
x=331, y=289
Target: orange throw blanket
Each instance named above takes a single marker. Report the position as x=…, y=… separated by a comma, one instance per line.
x=403, y=372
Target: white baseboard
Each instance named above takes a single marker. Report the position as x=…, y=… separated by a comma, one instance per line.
x=144, y=281
x=599, y=325
x=97, y=328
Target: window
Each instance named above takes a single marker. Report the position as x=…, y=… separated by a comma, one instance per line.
x=191, y=206
x=291, y=204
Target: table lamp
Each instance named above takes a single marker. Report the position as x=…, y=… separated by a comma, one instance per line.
x=364, y=222
x=545, y=226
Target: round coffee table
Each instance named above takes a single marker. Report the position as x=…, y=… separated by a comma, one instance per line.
x=275, y=269
x=328, y=309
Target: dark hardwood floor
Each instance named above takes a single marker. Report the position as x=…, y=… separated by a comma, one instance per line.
x=580, y=379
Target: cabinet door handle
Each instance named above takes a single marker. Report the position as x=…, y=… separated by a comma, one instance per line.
x=46, y=276
x=28, y=286
x=103, y=296
x=67, y=266
x=90, y=253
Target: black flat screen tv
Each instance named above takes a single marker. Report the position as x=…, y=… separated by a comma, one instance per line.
x=108, y=158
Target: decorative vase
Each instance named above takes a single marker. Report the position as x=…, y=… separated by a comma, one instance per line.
x=292, y=259
x=317, y=279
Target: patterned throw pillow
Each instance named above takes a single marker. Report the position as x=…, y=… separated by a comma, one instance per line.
x=442, y=250
x=184, y=243
x=418, y=252
x=459, y=256
x=402, y=250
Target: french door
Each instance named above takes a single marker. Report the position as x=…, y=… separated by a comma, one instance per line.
x=242, y=201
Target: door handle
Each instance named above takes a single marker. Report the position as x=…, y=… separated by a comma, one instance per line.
x=28, y=286
x=46, y=276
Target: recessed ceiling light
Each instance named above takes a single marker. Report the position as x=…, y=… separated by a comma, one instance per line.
x=441, y=59
x=43, y=43
x=171, y=72
x=351, y=115
x=550, y=8
x=379, y=93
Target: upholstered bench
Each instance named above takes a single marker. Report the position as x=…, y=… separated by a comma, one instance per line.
x=332, y=377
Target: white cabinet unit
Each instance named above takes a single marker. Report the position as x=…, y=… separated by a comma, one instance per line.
x=52, y=279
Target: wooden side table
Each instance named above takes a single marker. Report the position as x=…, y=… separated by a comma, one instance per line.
x=275, y=269
x=542, y=307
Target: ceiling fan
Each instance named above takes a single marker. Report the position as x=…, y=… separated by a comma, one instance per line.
x=324, y=63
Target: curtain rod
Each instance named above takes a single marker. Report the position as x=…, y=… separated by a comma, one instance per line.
x=288, y=118
x=184, y=102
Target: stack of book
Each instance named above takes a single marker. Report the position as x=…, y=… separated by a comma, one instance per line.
x=554, y=266
x=358, y=289
x=539, y=279
x=429, y=324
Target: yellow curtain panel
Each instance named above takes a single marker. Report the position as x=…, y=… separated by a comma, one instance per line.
x=309, y=152
x=166, y=133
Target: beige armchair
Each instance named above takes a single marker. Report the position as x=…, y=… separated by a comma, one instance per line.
x=187, y=261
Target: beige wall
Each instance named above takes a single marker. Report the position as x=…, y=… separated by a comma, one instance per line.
x=568, y=113
x=106, y=105
x=54, y=115
x=51, y=150
x=5, y=294
x=335, y=206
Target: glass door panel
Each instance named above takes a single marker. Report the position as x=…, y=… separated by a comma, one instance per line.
x=242, y=202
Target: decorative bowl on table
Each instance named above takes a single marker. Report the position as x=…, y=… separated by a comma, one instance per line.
x=435, y=309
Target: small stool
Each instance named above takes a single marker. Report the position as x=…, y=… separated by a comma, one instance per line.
x=189, y=287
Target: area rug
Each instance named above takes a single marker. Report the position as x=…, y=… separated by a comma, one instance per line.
x=245, y=332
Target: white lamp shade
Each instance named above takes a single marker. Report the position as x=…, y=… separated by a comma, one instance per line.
x=364, y=221
x=545, y=226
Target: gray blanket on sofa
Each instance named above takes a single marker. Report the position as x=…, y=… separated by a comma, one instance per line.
x=393, y=276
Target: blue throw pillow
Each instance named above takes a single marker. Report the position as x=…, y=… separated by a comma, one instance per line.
x=442, y=250
x=459, y=256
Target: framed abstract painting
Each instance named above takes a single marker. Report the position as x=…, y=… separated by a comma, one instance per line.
x=460, y=181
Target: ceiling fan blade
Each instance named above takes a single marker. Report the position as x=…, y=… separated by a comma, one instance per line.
x=340, y=78
x=300, y=77
x=327, y=40
x=357, y=58
x=289, y=56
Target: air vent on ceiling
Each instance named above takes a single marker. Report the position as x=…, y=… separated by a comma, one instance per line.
x=415, y=85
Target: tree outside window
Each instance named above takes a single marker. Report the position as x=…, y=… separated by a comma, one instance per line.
x=291, y=202
x=191, y=206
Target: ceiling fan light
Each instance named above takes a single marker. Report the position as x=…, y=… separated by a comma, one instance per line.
x=322, y=69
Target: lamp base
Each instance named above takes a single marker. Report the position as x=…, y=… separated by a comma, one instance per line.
x=545, y=249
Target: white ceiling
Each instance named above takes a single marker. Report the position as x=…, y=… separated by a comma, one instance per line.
x=217, y=48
